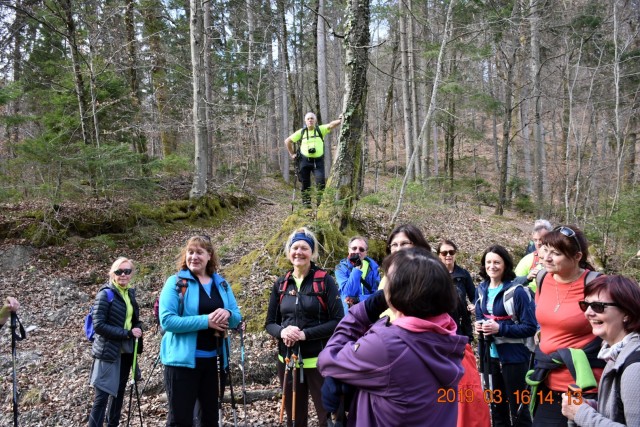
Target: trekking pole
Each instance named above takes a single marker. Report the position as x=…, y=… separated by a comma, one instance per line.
x=284, y=386
x=295, y=181
x=233, y=398
x=134, y=384
x=294, y=362
x=220, y=378
x=146, y=383
x=14, y=339
x=240, y=328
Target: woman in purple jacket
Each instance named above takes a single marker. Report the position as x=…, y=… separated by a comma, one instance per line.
x=404, y=370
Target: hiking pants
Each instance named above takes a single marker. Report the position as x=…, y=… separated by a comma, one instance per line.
x=109, y=404
x=185, y=385
x=307, y=166
x=312, y=385
x=508, y=381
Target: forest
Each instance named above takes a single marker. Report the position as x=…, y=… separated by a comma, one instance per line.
x=129, y=125
x=524, y=104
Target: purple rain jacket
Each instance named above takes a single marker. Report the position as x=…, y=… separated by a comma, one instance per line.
x=397, y=373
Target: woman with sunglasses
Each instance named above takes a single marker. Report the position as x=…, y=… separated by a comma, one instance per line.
x=473, y=413
x=116, y=320
x=564, y=331
x=503, y=343
x=196, y=308
x=304, y=310
x=612, y=306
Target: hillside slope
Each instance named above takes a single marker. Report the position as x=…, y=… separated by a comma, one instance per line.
x=56, y=286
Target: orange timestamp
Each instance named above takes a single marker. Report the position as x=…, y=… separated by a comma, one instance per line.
x=524, y=397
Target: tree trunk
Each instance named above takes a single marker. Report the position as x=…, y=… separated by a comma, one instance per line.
x=77, y=71
x=406, y=94
x=323, y=98
x=199, y=187
x=540, y=163
x=345, y=173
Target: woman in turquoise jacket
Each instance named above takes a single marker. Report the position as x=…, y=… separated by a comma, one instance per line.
x=196, y=308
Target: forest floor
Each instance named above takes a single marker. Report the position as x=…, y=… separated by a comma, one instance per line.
x=56, y=285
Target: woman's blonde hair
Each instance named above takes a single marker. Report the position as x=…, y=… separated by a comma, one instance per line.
x=205, y=243
x=309, y=235
x=116, y=265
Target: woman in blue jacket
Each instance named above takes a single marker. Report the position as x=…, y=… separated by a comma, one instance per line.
x=504, y=337
x=196, y=308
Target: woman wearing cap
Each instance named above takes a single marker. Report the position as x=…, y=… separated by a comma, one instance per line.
x=304, y=309
x=567, y=346
x=116, y=320
x=196, y=308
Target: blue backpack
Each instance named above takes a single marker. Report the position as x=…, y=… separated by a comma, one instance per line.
x=89, y=330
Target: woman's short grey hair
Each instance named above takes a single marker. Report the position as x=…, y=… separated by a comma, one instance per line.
x=541, y=224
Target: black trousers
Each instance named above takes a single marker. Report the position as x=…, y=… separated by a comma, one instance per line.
x=112, y=406
x=312, y=385
x=185, y=385
x=306, y=167
x=507, y=409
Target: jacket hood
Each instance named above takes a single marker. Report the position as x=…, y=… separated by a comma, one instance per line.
x=440, y=354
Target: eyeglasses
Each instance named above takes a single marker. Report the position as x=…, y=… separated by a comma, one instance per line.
x=401, y=244
x=596, y=306
x=568, y=232
x=452, y=252
x=126, y=271
x=357, y=249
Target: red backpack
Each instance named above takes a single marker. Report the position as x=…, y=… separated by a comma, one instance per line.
x=319, y=288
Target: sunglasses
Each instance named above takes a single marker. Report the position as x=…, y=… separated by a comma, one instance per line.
x=597, y=307
x=452, y=252
x=357, y=249
x=126, y=271
x=568, y=232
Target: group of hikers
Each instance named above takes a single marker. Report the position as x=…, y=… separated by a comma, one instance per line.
x=389, y=344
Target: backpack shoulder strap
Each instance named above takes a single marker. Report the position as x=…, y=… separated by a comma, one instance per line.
x=590, y=276
x=320, y=288
x=539, y=279
x=509, y=300
x=283, y=286
x=110, y=295
x=181, y=289
x=618, y=410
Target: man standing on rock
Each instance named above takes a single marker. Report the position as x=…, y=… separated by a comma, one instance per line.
x=307, y=146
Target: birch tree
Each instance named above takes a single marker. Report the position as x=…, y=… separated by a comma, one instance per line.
x=199, y=187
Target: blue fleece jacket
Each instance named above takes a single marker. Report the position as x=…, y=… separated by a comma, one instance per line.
x=178, y=346
x=525, y=312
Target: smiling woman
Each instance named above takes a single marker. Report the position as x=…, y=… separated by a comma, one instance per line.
x=195, y=341
x=612, y=306
x=304, y=309
x=502, y=338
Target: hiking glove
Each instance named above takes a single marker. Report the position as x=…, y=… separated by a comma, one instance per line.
x=375, y=305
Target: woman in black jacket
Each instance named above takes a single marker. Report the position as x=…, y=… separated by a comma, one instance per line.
x=116, y=319
x=304, y=309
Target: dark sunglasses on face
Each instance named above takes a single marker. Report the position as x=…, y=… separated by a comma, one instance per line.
x=126, y=271
x=357, y=249
x=596, y=306
x=568, y=232
x=452, y=252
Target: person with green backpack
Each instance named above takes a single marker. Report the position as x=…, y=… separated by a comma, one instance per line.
x=306, y=146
